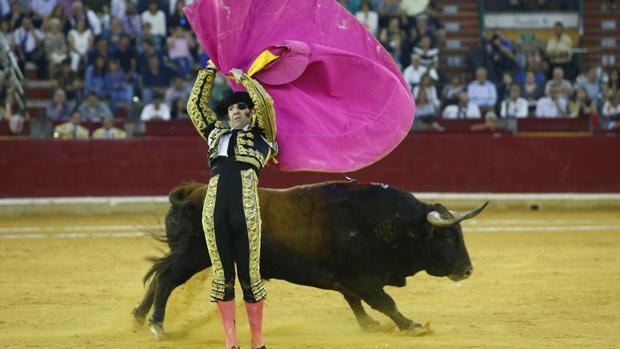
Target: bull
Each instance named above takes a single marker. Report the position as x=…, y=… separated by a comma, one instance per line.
x=342, y=236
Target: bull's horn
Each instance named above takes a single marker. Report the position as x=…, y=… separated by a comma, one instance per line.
x=435, y=218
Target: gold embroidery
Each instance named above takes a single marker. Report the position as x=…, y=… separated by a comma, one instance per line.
x=198, y=109
x=251, y=210
x=264, y=113
x=208, y=225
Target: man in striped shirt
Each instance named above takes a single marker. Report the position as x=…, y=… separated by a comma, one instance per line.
x=429, y=55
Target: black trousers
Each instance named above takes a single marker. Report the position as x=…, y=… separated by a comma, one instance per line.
x=231, y=221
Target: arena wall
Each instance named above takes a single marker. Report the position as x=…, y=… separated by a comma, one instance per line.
x=422, y=163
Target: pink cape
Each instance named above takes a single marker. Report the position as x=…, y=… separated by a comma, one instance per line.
x=341, y=102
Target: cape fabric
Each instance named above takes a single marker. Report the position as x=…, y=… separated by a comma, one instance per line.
x=341, y=102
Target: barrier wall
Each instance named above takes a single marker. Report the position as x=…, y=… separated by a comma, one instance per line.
x=422, y=163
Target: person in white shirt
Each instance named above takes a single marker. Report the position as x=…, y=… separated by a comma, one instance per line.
x=414, y=72
x=431, y=91
x=515, y=106
x=565, y=88
x=81, y=39
x=482, y=92
x=156, y=18
x=28, y=43
x=463, y=110
x=368, y=17
x=552, y=106
x=158, y=110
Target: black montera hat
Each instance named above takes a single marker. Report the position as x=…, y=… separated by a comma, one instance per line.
x=237, y=97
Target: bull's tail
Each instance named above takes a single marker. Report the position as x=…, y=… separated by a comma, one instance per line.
x=159, y=266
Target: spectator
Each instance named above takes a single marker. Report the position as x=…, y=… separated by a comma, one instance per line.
x=482, y=92
x=422, y=29
x=611, y=111
x=132, y=23
x=94, y=110
x=28, y=43
x=156, y=18
x=43, y=8
x=463, y=109
x=156, y=110
x=71, y=129
x=430, y=91
x=490, y=123
x=118, y=9
x=450, y=92
x=57, y=13
x=179, y=90
x=552, y=106
x=80, y=42
x=387, y=10
x=503, y=91
x=611, y=87
x=55, y=45
x=392, y=29
x=500, y=50
x=115, y=87
x=559, y=49
x=582, y=106
x=113, y=35
x=15, y=16
x=12, y=113
x=592, y=84
x=531, y=91
x=178, y=17
x=101, y=49
x=425, y=110
x=4, y=88
x=565, y=88
x=429, y=55
x=395, y=48
x=179, y=46
x=368, y=17
x=68, y=80
x=59, y=109
x=146, y=35
x=95, y=77
x=514, y=106
x=179, y=109
x=146, y=50
x=127, y=57
x=434, y=22
x=80, y=12
x=414, y=72
x=155, y=79
x=108, y=131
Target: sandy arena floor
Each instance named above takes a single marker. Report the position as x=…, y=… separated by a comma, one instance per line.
x=541, y=280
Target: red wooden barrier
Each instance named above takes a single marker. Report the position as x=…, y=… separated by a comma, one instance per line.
x=422, y=163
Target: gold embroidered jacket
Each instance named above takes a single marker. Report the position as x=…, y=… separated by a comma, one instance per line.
x=254, y=146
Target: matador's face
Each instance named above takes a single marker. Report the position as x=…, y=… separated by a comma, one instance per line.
x=239, y=115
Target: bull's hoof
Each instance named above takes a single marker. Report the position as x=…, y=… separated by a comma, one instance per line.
x=369, y=324
x=416, y=329
x=138, y=319
x=157, y=329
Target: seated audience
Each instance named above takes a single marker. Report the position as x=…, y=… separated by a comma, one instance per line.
x=108, y=131
x=92, y=109
x=514, y=106
x=531, y=91
x=158, y=110
x=179, y=90
x=463, y=109
x=59, y=109
x=490, y=123
x=565, y=88
x=482, y=92
x=552, y=106
x=71, y=129
x=582, y=106
x=431, y=91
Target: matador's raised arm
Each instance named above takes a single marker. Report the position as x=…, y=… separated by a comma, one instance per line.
x=203, y=118
x=263, y=107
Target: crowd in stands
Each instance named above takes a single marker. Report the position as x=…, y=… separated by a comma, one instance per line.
x=140, y=55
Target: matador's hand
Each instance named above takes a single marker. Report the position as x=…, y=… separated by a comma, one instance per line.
x=236, y=73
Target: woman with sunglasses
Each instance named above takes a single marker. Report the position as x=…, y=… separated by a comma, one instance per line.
x=231, y=214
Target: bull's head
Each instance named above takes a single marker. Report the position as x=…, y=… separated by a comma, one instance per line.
x=447, y=253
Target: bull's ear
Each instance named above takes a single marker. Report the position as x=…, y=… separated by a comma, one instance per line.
x=437, y=220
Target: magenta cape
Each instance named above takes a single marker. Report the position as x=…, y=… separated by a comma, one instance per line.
x=341, y=102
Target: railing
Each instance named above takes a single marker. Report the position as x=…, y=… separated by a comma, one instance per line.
x=15, y=74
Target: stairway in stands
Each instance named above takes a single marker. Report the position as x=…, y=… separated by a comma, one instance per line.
x=462, y=25
x=601, y=33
